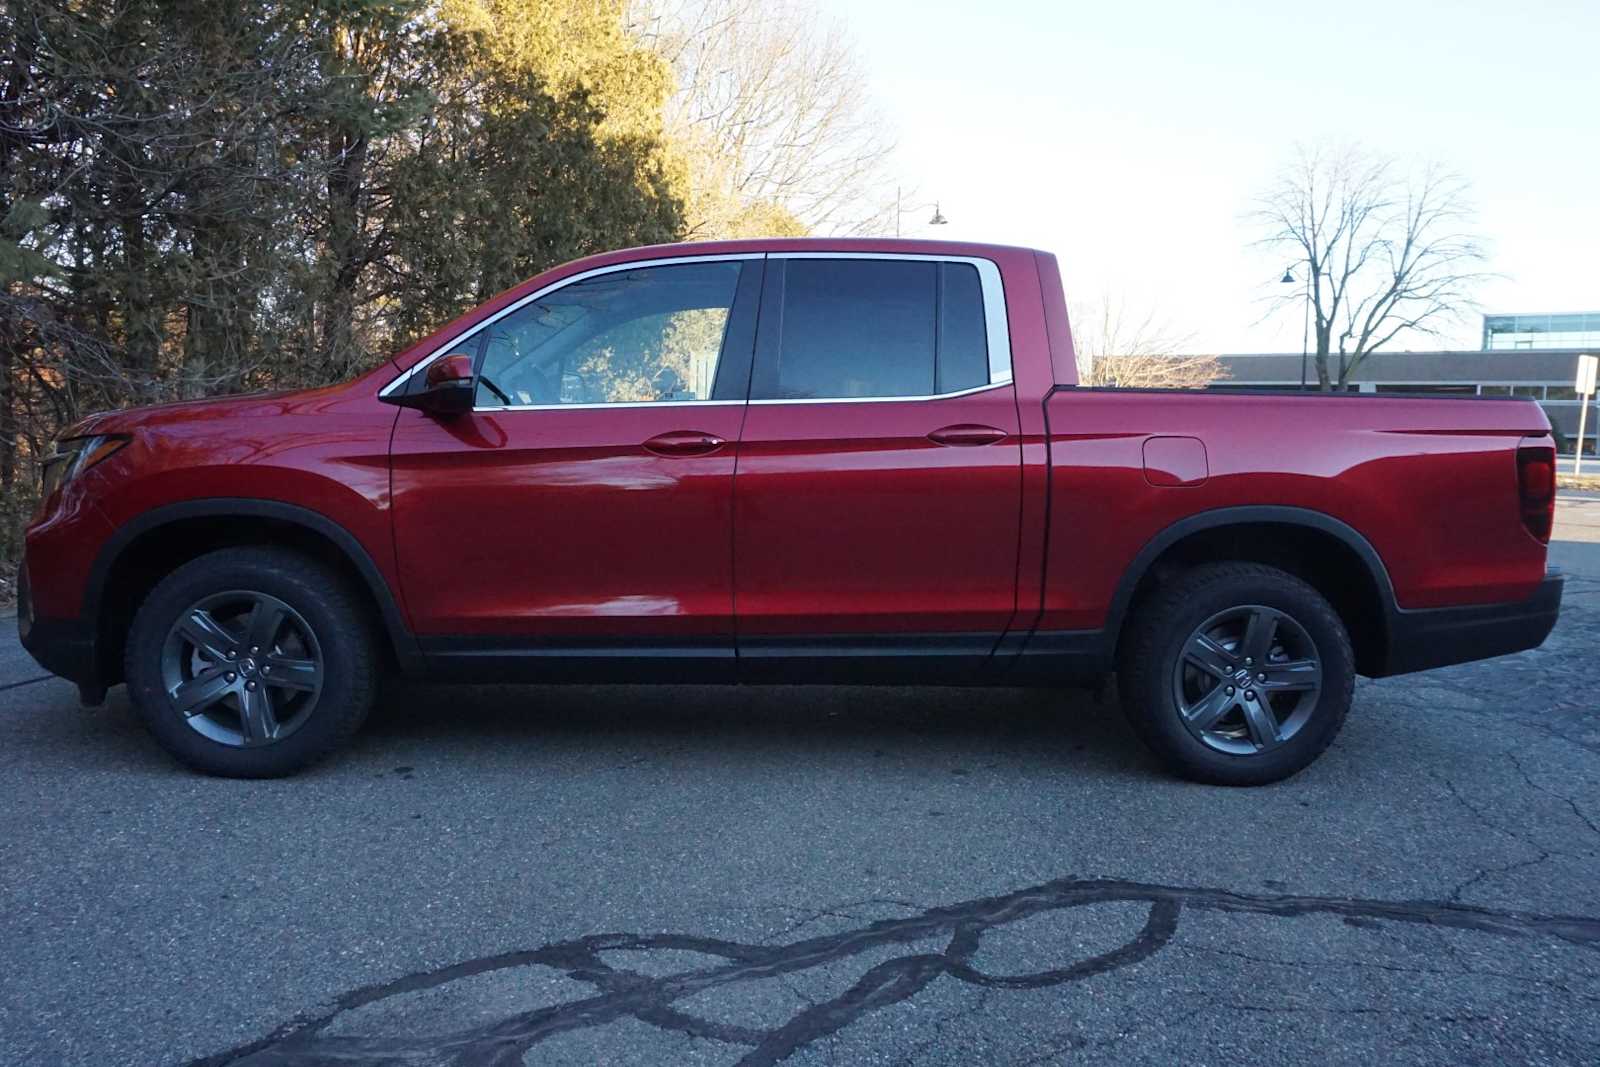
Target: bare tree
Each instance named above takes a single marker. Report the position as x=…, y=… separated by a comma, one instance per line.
x=1131, y=350
x=1376, y=250
x=770, y=109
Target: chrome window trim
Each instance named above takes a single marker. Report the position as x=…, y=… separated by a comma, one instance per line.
x=634, y=264
x=996, y=325
x=609, y=407
x=884, y=399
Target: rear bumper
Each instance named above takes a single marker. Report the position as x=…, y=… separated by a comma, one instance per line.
x=1422, y=640
x=64, y=647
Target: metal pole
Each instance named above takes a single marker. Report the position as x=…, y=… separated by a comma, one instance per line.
x=1305, y=328
x=1578, y=455
x=1583, y=415
x=1596, y=396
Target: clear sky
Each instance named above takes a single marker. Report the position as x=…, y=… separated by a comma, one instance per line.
x=1129, y=136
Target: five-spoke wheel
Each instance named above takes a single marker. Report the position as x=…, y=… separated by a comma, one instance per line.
x=243, y=667
x=1236, y=673
x=1248, y=679
x=252, y=662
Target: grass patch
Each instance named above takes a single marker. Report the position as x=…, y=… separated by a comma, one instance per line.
x=1578, y=481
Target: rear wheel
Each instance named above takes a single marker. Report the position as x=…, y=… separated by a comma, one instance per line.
x=251, y=662
x=1237, y=674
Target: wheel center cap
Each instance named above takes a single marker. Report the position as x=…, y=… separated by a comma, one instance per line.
x=247, y=666
x=1241, y=676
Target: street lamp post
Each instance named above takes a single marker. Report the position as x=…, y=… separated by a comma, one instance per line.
x=938, y=216
x=1305, y=323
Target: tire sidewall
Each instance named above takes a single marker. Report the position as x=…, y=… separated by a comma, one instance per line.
x=1161, y=723
x=310, y=590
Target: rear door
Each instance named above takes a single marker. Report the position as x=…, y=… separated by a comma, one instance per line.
x=878, y=494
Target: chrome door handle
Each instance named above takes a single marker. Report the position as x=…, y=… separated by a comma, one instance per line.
x=967, y=434
x=684, y=443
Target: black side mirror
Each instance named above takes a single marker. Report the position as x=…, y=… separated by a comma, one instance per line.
x=447, y=388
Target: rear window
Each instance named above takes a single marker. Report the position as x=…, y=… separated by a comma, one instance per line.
x=963, y=361
x=861, y=328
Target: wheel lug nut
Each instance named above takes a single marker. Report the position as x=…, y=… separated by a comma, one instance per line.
x=1249, y=694
x=1261, y=677
x=257, y=648
x=232, y=654
x=250, y=686
x=1230, y=690
x=266, y=668
x=230, y=677
x=1248, y=662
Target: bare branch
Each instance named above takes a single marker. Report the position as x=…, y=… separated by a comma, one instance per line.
x=1132, y=350
x=771, y=115
x=1380, y=253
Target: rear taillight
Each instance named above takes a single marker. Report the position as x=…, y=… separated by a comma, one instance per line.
x=1536, y=487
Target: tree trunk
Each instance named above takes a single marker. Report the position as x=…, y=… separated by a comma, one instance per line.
x=8, y=410
x=347, y=150
x=1324, y=342
x=217, y=311
x=141, y=320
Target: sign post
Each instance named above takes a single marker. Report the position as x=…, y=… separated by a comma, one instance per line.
x=1587, y=367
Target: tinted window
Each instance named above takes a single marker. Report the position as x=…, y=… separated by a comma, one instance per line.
x=878, y=328
x=963, y=341
x=647, y=335
x=854, y=328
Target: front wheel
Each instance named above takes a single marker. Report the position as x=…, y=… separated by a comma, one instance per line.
x=1237, y=674
x=251, y=662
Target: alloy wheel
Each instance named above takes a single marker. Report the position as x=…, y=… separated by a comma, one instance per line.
x=1247, y=680
x=243, y=668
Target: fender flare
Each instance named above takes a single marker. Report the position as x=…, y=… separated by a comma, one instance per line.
x=1247, y=515
x=394, y=622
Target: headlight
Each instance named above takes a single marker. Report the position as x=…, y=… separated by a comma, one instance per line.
x=75, y=455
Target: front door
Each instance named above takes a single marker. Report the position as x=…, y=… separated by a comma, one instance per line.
x=581, y=514
x=878, y=495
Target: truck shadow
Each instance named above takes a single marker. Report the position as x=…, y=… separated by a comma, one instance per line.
x=953, y=729
x=1074, y=726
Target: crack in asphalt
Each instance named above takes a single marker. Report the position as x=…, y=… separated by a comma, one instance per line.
x=1481, y=873
x=625, y=994
x=836, y=911
x=1571, y=803
x=25, y=681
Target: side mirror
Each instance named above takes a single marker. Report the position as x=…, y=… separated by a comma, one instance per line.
x=447, y=387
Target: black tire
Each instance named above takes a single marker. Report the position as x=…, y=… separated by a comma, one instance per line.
x=1156, y=672
x=318, y=599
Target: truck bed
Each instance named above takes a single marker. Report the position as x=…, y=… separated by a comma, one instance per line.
x=1430, y=483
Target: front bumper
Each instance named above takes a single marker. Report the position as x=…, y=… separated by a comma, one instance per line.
x=64, y=647
x=1438, y=637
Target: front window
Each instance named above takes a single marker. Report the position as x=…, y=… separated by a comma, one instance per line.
x=645, y=335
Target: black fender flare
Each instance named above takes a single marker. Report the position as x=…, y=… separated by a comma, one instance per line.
x=394, y=622
x=1247, y=515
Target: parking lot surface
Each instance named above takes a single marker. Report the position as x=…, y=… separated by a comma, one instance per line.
x=631, y=875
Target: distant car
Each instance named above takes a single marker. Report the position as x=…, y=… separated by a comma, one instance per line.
x=796, y=461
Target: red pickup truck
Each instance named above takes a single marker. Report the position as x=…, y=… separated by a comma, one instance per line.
x=784, y=461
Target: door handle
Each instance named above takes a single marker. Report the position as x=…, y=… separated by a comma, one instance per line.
x=967, y=433
x=684, y=443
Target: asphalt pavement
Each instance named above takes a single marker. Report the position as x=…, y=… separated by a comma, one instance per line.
x=634, y=875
